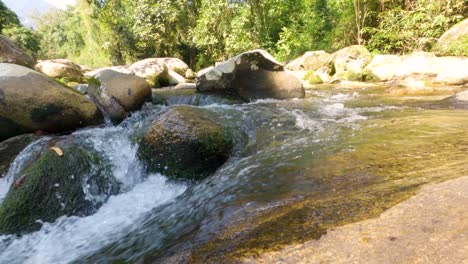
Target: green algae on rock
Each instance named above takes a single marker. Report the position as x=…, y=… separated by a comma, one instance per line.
x=53, y=186
x=185, y=143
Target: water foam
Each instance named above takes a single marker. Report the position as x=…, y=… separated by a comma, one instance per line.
x=71, y=237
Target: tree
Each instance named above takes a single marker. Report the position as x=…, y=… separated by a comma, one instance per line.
x=8, y=18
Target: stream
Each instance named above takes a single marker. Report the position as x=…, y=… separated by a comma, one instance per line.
x=299, y=167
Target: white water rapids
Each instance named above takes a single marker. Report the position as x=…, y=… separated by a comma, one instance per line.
x=70, y=238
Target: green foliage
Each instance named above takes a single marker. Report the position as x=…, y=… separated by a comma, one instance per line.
x=458, y=47
x=404, y=28
x=202, y=32
x=24, y=37
x=8, y=18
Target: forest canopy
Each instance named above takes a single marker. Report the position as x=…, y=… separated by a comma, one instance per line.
x=105, y=32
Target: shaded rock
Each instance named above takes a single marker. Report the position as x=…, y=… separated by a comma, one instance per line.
x=12, y=53
x=75, y=184
x=311, y=61
x=185, y=143
x=251, y=75
x=350, y=62
x=10, y=148
x=29, y=101
x=60, y=68
x=454, y=41
x=120, y=93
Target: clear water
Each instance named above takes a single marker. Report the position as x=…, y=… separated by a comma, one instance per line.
x=154, y=215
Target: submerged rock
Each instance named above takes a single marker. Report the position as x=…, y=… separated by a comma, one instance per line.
x=10, y=148
x=185, y=143
x=29, y=101
x=120, y=93
x=350, y=62
x=12, y=53
x=61, y=69
x=251, y=75
x=310, y=61
x=76, y=183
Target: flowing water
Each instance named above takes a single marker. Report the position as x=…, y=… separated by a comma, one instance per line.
x=299, y=167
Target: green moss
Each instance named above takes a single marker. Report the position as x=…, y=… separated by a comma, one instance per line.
x=313, y=78
x=353, y=76
x=52, y=187
x=368, y=76
x=92, y=81
x=458, y=47
x=185, y=144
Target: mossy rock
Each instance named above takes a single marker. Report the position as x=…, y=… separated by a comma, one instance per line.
x=53, y=186
x=454, y=42
x=350, y=62
x=185, y=144
x=313, y=78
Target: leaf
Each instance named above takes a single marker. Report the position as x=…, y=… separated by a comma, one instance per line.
x=57, y=150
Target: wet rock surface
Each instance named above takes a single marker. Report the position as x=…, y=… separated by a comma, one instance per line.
x=75, y=183
x=185, y=143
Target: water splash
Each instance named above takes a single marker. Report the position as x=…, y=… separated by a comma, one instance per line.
x=70, y=237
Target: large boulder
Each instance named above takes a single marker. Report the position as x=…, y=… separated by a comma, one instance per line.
x=185, y=143
x=12, y=53
x=383, y=68
x=422, y=65
x=60, y=68
x=454, y=41
x=252, y=75
x=30, y=101
x=310, y=61
x=120, y=93
x=350, y=62
x=76, y=183
x=10, y=148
